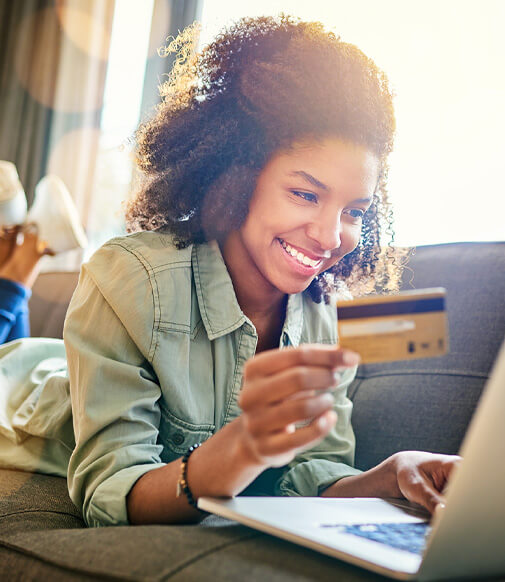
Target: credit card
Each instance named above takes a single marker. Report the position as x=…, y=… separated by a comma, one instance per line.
x=385, y=328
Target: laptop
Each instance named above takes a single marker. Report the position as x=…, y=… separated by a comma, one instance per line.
x=393, y=537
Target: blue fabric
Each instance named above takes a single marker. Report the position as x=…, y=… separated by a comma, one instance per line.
x=14, y=320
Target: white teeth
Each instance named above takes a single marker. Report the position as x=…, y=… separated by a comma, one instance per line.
x=300, y=257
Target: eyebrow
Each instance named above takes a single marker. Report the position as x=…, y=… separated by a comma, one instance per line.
x=314, y=181
x=318, y=184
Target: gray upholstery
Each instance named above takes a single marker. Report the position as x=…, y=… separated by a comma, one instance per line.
x=427, y=404
x=424, y=404
x=218, y=549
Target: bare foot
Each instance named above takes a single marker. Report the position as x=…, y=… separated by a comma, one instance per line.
x=23, y=263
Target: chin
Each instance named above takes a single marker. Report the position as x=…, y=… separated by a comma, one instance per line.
x=294, y=288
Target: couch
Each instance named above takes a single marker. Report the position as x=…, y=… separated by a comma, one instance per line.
x=421, y=404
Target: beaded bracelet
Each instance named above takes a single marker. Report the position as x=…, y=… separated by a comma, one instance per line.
x=182, y=484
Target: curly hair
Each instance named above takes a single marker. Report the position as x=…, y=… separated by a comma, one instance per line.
x=261, y=86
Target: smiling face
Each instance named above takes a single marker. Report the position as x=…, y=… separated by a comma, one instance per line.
x=304, y=216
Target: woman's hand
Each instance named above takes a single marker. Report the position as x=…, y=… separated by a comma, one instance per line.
x=280, y=389
x=422, y=477
x=286, y=388
x=417, y=476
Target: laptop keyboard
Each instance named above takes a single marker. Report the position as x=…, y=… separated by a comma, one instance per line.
x=410, y=537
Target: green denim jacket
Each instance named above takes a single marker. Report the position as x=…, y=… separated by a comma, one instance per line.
x=156, y=343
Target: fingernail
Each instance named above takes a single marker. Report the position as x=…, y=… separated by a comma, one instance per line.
x=328, y=419
x=350, y=359
x=336, y=378
x=327, y=398
x=323, y=422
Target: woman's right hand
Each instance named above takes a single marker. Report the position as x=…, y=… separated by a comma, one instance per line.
x=281, y=389
x=286, y=400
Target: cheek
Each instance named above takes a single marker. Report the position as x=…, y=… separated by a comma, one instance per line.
x=349, y=241
x=350, y=238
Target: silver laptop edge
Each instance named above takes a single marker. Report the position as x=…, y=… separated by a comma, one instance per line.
x=468, y=537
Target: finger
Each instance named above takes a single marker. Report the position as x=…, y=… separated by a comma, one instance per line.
x=10, y=232
x=274, y=361
x=47, y=251
x=285, y=384
x=299, y=440
x=424, y=493
x=279, y=417
x=449, y=465
x=440, y=469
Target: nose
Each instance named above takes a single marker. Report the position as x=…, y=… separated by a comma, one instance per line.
x=326, y=231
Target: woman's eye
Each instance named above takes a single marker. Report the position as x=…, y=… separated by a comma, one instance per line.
x=356, y=213
x=308, y=196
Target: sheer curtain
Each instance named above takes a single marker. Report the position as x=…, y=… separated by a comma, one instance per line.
x=53, y=57
x=168, y=19
x=131, y=94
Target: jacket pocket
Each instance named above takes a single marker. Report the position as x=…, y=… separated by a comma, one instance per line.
x=177, y=435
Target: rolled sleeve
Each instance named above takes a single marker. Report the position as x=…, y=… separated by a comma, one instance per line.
x=115, y=398
x=311, y=472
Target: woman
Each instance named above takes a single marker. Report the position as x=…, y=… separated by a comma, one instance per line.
x=216, y=325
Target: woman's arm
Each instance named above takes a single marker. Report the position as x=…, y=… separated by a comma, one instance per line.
x=218, y=468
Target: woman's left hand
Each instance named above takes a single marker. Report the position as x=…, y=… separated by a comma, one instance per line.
x=422, y=477
x=417, y=476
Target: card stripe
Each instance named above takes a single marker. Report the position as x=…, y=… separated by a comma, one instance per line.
x=391, y=308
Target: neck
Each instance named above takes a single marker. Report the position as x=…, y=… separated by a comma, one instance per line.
x=257, y=298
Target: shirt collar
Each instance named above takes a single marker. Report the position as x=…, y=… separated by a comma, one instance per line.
x=219, y=308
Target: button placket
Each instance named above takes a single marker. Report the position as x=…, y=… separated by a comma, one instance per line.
x=247, y=348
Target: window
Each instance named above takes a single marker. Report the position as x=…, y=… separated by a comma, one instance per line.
x=120, y=117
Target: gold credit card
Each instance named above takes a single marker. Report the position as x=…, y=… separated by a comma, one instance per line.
x=405, y=326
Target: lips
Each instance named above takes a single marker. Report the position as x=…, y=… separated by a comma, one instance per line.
x=301, y=258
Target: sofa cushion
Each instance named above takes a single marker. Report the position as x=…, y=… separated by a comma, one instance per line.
x=426, y=404
x=31, y=501
x=43, y=538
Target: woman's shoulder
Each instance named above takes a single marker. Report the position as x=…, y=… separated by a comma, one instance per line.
x=153, y=249
x=140, y=256
x=126, y=268
x=144, y=279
